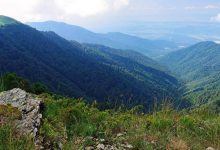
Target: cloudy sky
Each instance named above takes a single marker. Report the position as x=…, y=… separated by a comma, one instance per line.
x=103, y=13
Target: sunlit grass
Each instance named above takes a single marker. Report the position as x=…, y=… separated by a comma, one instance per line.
x=165, y=128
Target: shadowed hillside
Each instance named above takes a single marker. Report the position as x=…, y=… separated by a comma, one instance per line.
x=72, y=69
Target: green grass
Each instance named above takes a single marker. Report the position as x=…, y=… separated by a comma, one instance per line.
x=72, y=121
x=204, y=96
x=1, y=84
x=9, y=111
x=10, y=138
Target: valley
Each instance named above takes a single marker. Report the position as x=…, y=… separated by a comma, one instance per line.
x=112, y=91
x=198, y=67
x=90, y=71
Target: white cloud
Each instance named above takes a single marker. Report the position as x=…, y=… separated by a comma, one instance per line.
x=216, y=18
x=211, y=7
x=117, y=4
x=16, y=8
x=29, y=10
x=83, y=8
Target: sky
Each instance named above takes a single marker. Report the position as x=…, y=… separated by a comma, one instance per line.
x=105, y=13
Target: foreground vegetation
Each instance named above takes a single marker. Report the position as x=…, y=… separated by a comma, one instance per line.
x=76, y=124
x=10, y=139
x=9, y=81
x=163, y=129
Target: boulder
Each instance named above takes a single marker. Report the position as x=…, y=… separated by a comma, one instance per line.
x=29, y=106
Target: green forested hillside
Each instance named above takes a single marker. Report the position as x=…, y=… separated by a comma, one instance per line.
x=74, y=74
x=7, y=20
x=199, y=68
x=72, y=69
x=132, y=55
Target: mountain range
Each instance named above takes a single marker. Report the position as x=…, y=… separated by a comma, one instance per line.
x=94, y=72
x=109, y=75
x=199, y=67
x=151, y=48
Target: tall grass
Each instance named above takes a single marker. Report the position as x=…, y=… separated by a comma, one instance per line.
x=10, y=138
x=73, y=122
x=165, y=128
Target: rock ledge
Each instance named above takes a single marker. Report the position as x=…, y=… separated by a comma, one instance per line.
x=30, y=108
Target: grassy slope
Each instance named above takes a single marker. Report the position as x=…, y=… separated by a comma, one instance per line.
x=10, y=139
x=73, y=122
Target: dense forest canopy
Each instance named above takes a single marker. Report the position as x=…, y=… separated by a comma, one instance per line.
x=93, y=72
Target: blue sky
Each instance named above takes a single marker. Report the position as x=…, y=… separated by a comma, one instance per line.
x=105, y=13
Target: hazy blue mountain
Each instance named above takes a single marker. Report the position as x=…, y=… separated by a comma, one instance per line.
x=152, y=48
x=199, y=67
x=70, y=68
x=183, y=33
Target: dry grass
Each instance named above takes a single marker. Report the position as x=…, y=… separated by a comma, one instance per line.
x=7, y=111
x=177, y=144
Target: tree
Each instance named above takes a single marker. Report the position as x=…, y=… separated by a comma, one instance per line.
x=11, y=80
x=39, y=88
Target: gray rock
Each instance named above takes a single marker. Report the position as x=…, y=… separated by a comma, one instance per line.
x=109, y=147
x=129, y=146
x=210, y=148
x=120, y=134
x=102, y=140
x=35, y=132
x=28, y=105
x=100, y=146
x=60, y=145
x=89, y=148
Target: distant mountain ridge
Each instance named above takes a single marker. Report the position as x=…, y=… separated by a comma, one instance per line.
x=199, y=58
x=152, y=48
x=77, y=70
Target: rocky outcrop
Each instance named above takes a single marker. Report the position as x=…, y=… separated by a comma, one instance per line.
x=29, y=106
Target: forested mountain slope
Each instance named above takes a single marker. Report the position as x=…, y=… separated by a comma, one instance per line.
x=199, y=67
x=129, y=54
x=70, y=68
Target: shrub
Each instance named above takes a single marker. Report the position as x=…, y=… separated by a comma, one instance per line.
x=39, y=88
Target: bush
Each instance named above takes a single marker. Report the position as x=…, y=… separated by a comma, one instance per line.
x=9, y=81
x=39, y=88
